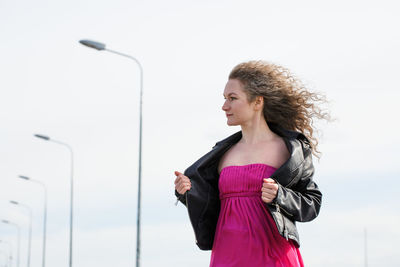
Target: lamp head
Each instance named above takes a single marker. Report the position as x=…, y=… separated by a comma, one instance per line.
x=42, y=137
x=93, y=44
x=23, y=177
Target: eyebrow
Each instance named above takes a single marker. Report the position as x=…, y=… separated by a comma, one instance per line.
x=230, y=94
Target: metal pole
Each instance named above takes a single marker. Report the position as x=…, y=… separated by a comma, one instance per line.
x=44, y=226
x=71, y=213
x=140, y=154
x=71, y=192
x=365, y=248
x=44, y=215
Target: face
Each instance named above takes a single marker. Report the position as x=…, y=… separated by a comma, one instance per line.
x=238, y=110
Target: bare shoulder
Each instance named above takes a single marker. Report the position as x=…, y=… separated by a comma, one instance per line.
x=281, y=152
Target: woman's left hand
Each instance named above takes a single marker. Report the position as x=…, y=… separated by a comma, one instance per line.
x=269, y=190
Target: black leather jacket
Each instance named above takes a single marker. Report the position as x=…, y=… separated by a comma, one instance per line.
x=298, y=197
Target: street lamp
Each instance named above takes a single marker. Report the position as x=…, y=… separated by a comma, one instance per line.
x=44, y=215
x=18, y=237
x=101, y=46
x=30, y=228
x=10, y=250
x=46, y=138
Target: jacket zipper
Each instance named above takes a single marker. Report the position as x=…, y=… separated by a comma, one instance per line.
x=285, y=231
x=177, y=201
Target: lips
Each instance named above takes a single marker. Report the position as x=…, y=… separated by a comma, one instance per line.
x=229, y=115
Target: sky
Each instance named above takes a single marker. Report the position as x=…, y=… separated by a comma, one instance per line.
x=52, y=85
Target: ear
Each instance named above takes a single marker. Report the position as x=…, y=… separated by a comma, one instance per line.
x=258, y=103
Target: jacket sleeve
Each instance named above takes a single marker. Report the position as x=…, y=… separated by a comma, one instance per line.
x=180, y=197
x=301, y=201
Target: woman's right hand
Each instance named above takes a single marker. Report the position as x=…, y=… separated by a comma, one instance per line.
x=182, y=183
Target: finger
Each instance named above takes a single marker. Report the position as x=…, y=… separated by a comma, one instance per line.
x=268, y=195
x=177, y=180
x=178, y=174
x=269, y=180
x=270, y=186
x=268, y=190
x=186, y=184
x=181, y=179
x=181, y=186
x=266, y=200
x=185, y=179
x=181, y=189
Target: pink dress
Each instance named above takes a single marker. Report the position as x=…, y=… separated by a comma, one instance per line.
x=246, y=233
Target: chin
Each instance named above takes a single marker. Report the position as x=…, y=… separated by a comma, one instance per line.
x=231, y=123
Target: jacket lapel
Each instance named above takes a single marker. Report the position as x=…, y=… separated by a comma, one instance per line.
x=289, y=170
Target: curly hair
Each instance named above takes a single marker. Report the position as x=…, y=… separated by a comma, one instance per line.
x=287, y=102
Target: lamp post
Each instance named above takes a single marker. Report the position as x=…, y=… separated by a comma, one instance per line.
x=44, y=215
x=365, y=248
x=18, y=237
x=46, y=138
x=30, y=228
x=101, y=46
x=10, y=250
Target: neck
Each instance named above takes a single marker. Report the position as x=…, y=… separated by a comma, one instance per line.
x=256, y=131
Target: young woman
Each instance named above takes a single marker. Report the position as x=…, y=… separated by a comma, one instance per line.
x=245, y=195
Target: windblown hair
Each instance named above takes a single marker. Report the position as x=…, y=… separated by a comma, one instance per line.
x=287, y=102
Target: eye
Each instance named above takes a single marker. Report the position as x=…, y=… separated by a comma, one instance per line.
x=231, y=98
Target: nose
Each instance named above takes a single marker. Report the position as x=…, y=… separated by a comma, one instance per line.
x=225, y=106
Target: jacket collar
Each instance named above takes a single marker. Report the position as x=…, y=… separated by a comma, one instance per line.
x=295, y=142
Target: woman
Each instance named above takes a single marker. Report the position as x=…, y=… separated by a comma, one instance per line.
x=244, y=196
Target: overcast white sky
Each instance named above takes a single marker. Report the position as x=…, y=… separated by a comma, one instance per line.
x=50, y=84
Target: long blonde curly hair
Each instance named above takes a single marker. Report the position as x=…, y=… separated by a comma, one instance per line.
x=287, y=102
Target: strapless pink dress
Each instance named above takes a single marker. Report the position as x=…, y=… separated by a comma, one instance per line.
x=246, y=234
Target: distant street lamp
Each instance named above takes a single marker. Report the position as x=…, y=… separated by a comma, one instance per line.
x=71, y=190
x=30, y=228
x=18, y=237
x=10, y=250
x=101, y=46
x=44, y=215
